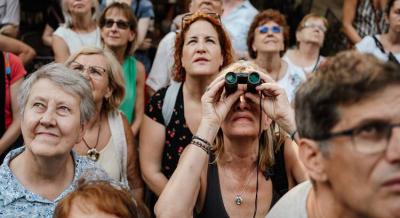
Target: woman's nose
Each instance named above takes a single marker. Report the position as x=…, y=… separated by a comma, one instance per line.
x=243, y=103
x=48, y=118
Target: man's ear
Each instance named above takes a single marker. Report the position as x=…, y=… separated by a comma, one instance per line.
x=314, y=162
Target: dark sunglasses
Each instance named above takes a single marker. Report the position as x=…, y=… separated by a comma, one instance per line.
x=265, y=29
x=186, y=18
x=120, y=24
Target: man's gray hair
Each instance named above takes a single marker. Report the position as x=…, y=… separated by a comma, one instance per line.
x=70, y=81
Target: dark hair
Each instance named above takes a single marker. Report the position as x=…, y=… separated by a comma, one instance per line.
x=345, y=79
x=262, y=18
x=128, y=13
x=389, y=6
x=224, y=40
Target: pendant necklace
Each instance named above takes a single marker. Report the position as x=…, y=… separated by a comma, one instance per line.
x=238, y=199
x=92, y=153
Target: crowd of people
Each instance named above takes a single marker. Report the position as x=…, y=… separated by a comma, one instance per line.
x=228, y=119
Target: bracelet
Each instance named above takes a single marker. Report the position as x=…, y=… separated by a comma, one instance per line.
x=203, y=140
x=291, y=135
x=201, y=145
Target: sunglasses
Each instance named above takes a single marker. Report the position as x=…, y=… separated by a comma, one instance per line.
x=265, y=29
x=313, y=25
x=187, y=18
x=120, y=24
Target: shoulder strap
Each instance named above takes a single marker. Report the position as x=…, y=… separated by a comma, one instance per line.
x=378, y=44
x=169, y=101
x=2, y=93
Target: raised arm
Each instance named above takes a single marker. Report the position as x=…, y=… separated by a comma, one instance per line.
x=22, y=50
x=349, y=13
x=60, y=49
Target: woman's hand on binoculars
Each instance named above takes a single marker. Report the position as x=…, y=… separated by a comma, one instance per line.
x=275, y=103
x=215, y=105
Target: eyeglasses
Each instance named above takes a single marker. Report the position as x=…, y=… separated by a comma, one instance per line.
x=186, y=18
x=370, y=138
x=120, y=24
x=95, y=72
x=313, y=25
x=265, y=29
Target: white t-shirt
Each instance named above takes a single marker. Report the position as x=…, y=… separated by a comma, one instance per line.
x=291, y=81
x=305, y=70
x=75, y=41
x=368, y=45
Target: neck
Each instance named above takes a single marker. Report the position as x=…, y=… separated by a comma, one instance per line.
x=94, y=120
x=195, y=87
x=119, y=53
x=393, y=37
x=241, y=151
x=229, y=5
x=83, y=23
x=269, y=61
x=308, y=51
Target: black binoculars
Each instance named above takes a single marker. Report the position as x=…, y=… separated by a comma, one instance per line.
x=232, y=80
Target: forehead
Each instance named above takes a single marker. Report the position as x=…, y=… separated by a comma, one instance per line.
x=383, y=105
x=40, y=90
x=396, y=5
x=268, y=23
x=201, y=28
x=92, y=60
x=116, y=12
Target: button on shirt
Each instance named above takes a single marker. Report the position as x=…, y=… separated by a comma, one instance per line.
x=16, y=201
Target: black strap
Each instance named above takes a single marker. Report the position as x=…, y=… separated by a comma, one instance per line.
x=137, y=9
x=391, y=56
x=2, y=94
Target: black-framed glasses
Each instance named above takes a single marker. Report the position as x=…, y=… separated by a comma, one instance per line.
x=95, y=72
x=322, y=28
x=266, y=29
x=121, y=24
x=370, y=138
x=189, y=16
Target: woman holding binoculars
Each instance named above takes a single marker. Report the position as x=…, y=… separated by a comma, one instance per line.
x=241, y=159
x=202, y=49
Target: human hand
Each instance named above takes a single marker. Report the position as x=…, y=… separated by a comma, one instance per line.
x=146, y=44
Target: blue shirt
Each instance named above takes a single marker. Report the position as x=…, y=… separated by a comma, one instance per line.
x=145, y=8
x=237, y=24
x=16, y=201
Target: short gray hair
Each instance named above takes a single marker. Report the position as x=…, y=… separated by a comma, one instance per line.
x=70, y=81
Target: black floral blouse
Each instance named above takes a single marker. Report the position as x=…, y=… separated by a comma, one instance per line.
x=177, y=135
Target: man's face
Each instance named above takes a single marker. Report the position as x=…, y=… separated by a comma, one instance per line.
x=207, y=6
x=367, y=185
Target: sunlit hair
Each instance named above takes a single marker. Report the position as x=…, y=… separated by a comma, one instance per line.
x=312, y=16
x=224, y=40
x=263, y=18
x=67, y=15
x=114, y=72
x=127, y=12
x=67, y=79
x=271, y=139
x=98, y=195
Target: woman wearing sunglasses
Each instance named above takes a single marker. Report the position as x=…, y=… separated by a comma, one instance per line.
x=80, y=28
x=310, y=35
x=108, y=138
x=202, y=49
x=118, y=32
x=250, y=165
x=267, y=39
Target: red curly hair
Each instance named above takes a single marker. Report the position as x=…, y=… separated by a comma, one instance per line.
x=178, y=72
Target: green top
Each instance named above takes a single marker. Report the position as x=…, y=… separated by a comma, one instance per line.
x=128, y=104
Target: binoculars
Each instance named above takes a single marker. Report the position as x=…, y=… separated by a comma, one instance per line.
x=232, y=80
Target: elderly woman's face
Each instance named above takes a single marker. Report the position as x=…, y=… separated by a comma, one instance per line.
x=51, y=120
x=79, y=6
x=94, y=69
x=313, y=31
x=268, y=37
x=201, y=52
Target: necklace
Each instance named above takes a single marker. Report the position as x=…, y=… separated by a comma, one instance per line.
x=238, y=199
x=92, y=153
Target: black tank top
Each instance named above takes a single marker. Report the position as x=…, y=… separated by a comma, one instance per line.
x=214, y=206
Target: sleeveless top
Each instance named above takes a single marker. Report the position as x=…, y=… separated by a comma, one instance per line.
x=214, y=205
x=128, y=104
x=75, y=40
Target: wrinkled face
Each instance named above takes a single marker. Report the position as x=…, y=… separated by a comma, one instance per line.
x=313, y=31
x=95, y=70
x=207, y=6
x=51, y=120
x=268, y=37
x=116, y=31
x=79, y=6
x=201, y=52
x=394, y=17
x=367, y=184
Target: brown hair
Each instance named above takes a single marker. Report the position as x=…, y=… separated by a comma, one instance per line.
x=271, y=139
x=100, y=195
x=262, y=18
x=224, y=40
x=127, y=12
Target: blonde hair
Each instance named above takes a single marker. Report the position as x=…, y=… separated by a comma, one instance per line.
x=67, y=15
x=114, y=72
x=271, y=139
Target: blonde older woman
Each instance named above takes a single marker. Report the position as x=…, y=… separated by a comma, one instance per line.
x=34, y=178
x=108, y=139
x=80, y=28
x=249, y=167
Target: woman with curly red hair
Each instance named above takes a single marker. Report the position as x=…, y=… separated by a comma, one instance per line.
x=202, y=49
